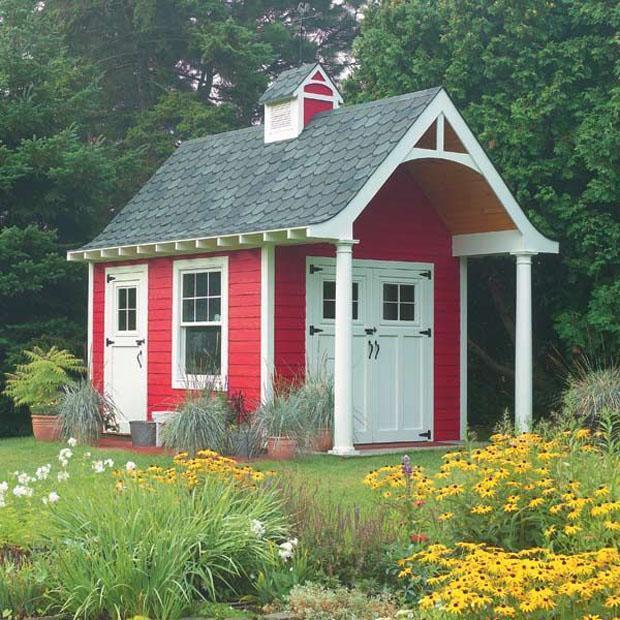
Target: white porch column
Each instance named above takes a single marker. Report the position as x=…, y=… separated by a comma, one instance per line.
x=523, y=343
x=343, y=373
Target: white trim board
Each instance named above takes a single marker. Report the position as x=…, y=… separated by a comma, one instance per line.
x=267, y=321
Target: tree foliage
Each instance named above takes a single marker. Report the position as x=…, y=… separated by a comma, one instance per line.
x=538, y=83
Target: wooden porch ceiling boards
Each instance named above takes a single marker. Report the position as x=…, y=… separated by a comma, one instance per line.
x=461, y=197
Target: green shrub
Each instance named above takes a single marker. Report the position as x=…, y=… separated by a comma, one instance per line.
x=155, y=549
x=37, y=383
x=315, y=602
x=590, y=391
x=201, y=423
x=84, y=413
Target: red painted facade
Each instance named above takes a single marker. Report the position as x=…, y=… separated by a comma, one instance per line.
x=243, y=328
x=399, y=224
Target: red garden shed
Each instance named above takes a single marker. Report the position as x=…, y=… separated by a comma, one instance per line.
x=330, y=234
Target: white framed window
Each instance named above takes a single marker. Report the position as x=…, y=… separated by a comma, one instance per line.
x=200, y=322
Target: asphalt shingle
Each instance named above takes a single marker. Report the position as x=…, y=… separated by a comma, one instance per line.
x=286, y=83
x=233, y=183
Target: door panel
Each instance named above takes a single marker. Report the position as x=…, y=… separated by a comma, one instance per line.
x=125, y=368
x=392, y=357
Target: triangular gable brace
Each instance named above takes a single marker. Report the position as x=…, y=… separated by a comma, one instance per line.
x=524, y=238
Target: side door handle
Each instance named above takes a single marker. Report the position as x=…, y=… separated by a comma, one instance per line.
x=371, y=350
x=378, y=346
x=139, y=358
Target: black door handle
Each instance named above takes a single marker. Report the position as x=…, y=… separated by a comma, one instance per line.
x=139, y=358
x=378, y=348
x=371, y=350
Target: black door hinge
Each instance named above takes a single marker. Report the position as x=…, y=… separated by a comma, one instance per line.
x=109, y=278
x=315, y=268
x=108, y=342
x=427, y=434
x=426, y=332
x=426, y=274
x=314, y=330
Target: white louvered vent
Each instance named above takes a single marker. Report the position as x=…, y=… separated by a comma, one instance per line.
x=283, y=120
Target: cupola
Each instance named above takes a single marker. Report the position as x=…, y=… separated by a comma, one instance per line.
x=294, y=97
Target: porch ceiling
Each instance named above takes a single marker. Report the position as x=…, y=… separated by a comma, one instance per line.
x=461, y=196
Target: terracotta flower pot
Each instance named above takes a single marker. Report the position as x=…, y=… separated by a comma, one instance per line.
x=45, y=427
x=281, y=448
x=323, y=441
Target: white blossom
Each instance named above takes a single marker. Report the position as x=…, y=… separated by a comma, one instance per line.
x=22, y=491
x=43, y=471
x=23, y=478
x=286, y=549
x=130, y=466
x=53, y=497
x=62, y=476
x=108, y=463
x=72, y=442
x=98, y=466
x=4, y=487
x=64, y=455
x=257, y=528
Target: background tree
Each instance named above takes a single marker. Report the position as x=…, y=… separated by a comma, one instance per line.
x=538, y=83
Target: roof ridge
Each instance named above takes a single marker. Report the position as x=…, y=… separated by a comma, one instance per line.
x=393, y=99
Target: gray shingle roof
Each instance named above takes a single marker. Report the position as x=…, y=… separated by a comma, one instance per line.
x=287, y=82
x=233, y=183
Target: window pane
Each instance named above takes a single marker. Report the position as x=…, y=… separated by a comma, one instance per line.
x=188, y=310
x=356, y=290
x=188, y=284
x=122, y=298
x=201, y=310
x=390, y=311
x=131, y=320
x=215, y=283
x=215, y=310
x=122, y=321
x=202, y=284
x=355, y=305
x=131, y=297
x=390, y=292
x=202, y=350
x=407, y=292
x=329, y=290
x=407, y=312
x=329, y=309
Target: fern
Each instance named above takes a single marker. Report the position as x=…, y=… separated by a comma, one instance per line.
x=38, y=381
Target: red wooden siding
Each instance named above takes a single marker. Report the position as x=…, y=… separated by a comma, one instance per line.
x=243, y=328
x=314, y=106
x=319, y=89
x=399, y=224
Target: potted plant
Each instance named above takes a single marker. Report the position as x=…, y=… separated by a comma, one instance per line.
x=37, y=383
x=280, y=421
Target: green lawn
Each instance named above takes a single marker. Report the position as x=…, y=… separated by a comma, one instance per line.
x=331, y=476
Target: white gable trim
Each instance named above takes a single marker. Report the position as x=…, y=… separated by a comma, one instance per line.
x=327, y=81
x=441, y=107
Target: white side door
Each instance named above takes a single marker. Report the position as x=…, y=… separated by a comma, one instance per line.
x=125, y=363
x=402, y=374
x=321, y=313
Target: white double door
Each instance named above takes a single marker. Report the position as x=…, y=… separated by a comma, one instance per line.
x=125, y=365
x=392, y=344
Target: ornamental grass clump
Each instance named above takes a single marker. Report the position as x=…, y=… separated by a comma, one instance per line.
x=201, y=423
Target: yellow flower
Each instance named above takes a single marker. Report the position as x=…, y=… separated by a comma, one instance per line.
x=481, y=509
x=612, y=601
x=537, y=501
x=569, y=530
x=505, y=610
x=445, y=516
